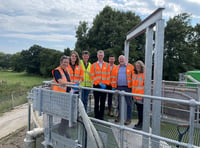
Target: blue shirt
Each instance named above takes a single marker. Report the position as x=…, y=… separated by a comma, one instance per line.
x=122, y=81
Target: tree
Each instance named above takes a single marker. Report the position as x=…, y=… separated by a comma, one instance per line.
x=31, y=59
x=49, y=59
x=4, y=60
x=108, y=33
x=67, y=52
x=196, y=46
x=17, y=62
x=82, y=37
x=178, y=54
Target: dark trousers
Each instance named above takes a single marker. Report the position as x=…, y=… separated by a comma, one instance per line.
x=140, y=112
x=62, y=129
x=99, y=103
x=110, y=95
x=110, y=101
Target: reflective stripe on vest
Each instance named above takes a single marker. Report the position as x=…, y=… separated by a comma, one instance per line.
x=100, y=75
x=129, y=70
x=77, y=74
x=112, y=75
x=86, y=74
x=138, y=84
x=63, y=77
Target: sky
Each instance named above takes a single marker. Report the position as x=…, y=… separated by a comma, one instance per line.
x=52, y=23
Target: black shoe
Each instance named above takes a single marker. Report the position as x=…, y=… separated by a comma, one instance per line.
x=117, y=119
x=138, y=127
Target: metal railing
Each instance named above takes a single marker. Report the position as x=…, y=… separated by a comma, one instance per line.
x=122, y=131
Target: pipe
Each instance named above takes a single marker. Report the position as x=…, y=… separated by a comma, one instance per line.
x=30, y=140
x=91, y=130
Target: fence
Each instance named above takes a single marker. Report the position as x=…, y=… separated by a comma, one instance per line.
x=114, y=135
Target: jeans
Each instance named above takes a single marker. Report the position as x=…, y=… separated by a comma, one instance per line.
x=84, y=97
x=128, y=102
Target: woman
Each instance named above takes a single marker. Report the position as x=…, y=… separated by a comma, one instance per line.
x=138, y=88
x=74, y=68
x=61, y=76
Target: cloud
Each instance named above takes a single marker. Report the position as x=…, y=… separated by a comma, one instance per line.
x=56, y=20
x=41, y=37
x=194, y=1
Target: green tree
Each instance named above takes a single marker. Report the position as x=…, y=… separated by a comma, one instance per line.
x=4, y=60
x=49, y=59
x=17, y=62
x=67, y=52
x=31, y=59
x=178, y=54
x=82, y=37
x=108, y=33
x=196, y=46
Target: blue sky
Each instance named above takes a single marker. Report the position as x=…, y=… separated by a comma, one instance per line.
x=52, y=23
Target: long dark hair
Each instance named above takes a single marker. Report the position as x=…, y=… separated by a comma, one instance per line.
x=77, y=58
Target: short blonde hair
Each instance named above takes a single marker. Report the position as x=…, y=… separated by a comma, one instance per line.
x=100, y=51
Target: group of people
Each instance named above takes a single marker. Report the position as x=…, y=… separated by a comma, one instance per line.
x=102, y=75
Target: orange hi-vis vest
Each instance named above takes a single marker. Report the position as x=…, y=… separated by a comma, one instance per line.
x=63, y=77
x=77, y=74
x=138, y=84
x=129, y=73
x=112, y=74
x=100, y=75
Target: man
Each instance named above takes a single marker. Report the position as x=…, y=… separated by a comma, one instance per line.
x=100, y=76
x=86, y=76
x=110, y=95
x=123, y=81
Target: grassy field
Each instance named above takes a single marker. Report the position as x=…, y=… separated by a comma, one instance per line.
x=14, y=87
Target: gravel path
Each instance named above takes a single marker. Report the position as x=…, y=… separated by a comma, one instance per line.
x=13, y=120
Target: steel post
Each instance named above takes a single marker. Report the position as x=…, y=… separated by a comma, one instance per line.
x=158, y=66
x=148, y=71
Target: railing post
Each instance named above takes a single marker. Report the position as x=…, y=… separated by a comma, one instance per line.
x=122, y=98
x=29, y=115
x=192, y=116
x=198, y=108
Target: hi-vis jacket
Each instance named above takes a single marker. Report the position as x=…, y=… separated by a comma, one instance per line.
x=86, y=74
x=77, y=74
x=138, y=84
x=63, y=77
x=112, y=74
x=129, y=73
x=100, y=75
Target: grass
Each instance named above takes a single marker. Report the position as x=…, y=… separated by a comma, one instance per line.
x=22, y=78
x=14, y=87
x=169, y=130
